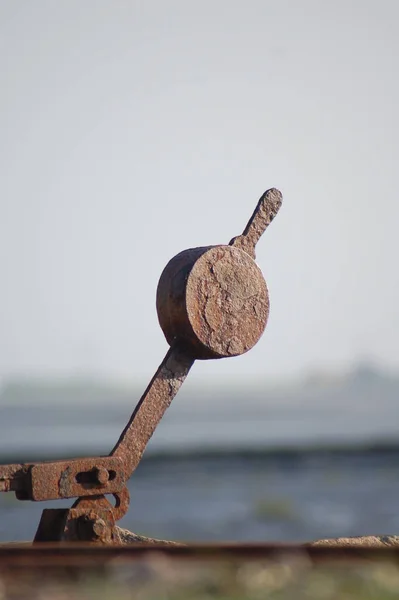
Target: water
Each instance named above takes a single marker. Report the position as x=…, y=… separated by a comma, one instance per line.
x=73, y=430
x=243, y=474
x=254, y=497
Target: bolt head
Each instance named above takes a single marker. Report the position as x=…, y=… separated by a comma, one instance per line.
x=102, y=475
x=91, y=528
x=99, y=528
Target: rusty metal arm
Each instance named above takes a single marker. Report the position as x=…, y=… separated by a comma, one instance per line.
x=107, y=474
x=13, y=478
x=212, y=302
x=95, y=476
x=151, y=407
x=63, y=479
x=264, y=213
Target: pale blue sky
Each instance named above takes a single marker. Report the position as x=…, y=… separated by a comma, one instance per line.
x=131, y=130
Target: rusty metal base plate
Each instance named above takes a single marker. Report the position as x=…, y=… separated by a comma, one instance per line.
x=74, y=524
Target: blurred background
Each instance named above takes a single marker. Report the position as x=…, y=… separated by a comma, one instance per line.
x=131, y=130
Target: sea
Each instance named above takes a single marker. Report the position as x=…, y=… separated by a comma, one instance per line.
x=228, y=471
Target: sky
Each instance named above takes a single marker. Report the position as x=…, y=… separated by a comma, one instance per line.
x=132, y=130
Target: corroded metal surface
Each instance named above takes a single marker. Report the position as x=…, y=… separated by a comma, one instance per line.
x=215, y=299
x=212, y=302
x=96, y=525
x=264, y=213
x=227, y=301
x=13, y=478
x=63, y=479
x=118, y=510
x=69, y=479
x=149, y=411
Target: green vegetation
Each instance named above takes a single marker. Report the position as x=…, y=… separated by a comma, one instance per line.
x=275, y=509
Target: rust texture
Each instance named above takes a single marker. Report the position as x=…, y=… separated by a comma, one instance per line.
x=75, y=524
x=215, y=300
x=227, y=301
x=63, y=479
x=212, y=302
x=264, y=213
x=76, y=478
x=159, y=394
x=118, y=510
x=13, y=478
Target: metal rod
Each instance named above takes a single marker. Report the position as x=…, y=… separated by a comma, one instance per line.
x=151, y=407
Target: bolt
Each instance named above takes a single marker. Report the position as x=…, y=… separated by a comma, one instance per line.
x=99, y=528
x=91, y=528
x=102, y=475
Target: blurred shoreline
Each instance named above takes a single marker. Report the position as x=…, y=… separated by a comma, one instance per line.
x=383, y=449
x=355, y=412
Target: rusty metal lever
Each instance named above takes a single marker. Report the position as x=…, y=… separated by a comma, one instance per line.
x=150, y=409
x=212, y=302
